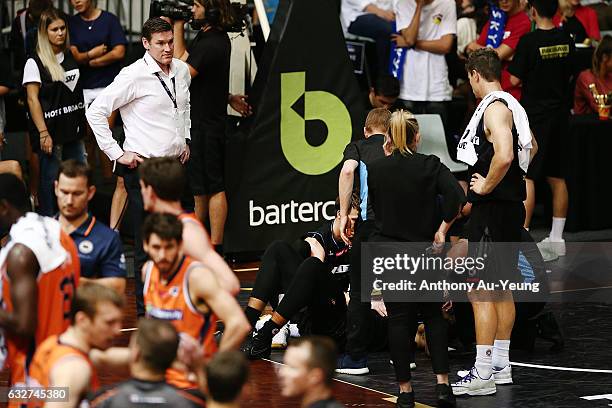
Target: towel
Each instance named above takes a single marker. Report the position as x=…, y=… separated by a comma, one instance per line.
x=465, y=149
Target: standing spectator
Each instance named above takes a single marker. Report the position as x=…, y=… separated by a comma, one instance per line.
x=427, y=28
x=55, y=102
x=308, y=372
x=374, y=19
x=208, y=59
x=99, y=247
x=98, y=45
x=580, y=21
x=543, y=63
x=404, y=192
x=153, y=348
x=22, y=43
x=226, y=375
x=502, y=32
x=497, y=144
x=600, y=75
x=152, y=96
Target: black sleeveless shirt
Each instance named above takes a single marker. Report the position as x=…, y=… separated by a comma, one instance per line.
x=512, y=186
x=62, y=104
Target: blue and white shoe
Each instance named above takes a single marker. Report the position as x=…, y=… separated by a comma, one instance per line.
x=473, y=384
x=346, y=365
x=501, y=375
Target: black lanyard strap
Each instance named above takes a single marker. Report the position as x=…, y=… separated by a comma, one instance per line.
x=172, y=97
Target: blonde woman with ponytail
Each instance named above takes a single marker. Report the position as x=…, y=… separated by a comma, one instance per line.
x=404, y=189
x=55, y=101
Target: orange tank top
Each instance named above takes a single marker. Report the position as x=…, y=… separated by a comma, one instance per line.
x=171, y=302
x=51, y=352
x=56, y=290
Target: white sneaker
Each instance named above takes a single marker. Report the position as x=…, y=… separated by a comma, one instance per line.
x=551, y=250
x=294, y=330
x=279, y=341
x=503, y=376
x=472, y=384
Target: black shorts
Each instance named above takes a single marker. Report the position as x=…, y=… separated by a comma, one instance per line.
x=495, y=229
x=550, y=132
x=205, y=168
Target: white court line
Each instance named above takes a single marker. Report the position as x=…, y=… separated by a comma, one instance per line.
x=579, y=290
x=129, y=329
x=546, y=367
x=246, y=269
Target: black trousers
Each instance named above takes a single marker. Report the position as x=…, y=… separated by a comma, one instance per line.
x=402, y=322
x=358, y=311
x=307, y=283
x=137, y=214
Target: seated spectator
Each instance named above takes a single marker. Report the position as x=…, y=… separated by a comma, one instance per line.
x=153, y=349
x=8, y=166
x=580, y=21
x=505, y=38
x=52, y=81
x=427, y=28
x=309, y=371
x=63, y=361
x=373, y=19
x=384, y=93
x=600, y=75
x=99, y=247
x=226, y=374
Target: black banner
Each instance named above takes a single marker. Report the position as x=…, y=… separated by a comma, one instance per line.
x=307, y=108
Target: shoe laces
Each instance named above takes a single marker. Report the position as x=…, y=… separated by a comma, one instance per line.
x=469, y=377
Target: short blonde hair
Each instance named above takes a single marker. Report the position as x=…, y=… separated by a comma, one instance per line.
x=404, y=128
x=378, y=119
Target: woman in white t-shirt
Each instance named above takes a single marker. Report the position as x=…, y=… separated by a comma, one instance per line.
x=55, y=101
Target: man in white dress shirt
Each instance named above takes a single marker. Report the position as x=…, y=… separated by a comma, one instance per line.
x=152, y=95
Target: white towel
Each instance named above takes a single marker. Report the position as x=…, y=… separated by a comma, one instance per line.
x=465, y=150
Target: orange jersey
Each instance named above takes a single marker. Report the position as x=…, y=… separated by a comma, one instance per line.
x=50, y=353
x=171, y=301
x=57, y=281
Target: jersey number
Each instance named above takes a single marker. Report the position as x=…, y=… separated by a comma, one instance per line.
x=67, y=288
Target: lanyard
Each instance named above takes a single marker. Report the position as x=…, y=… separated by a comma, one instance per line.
x=172, y=97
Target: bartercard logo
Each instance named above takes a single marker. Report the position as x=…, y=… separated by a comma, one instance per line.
x=293, y=212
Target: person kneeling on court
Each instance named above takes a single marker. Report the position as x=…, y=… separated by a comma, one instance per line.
x=186, y=293
x=308, y=372
x=312, y=274
x=63, y=361
x=153, y=349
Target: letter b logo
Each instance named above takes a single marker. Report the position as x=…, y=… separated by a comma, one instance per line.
x=321, y=105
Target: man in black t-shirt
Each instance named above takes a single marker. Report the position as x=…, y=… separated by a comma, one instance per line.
x=208, y=58
x=543, y=63
x=357, y=156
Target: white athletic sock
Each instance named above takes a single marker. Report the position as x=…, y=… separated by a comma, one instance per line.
x=484, y=359
x=556, y=232
x=501, y=353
